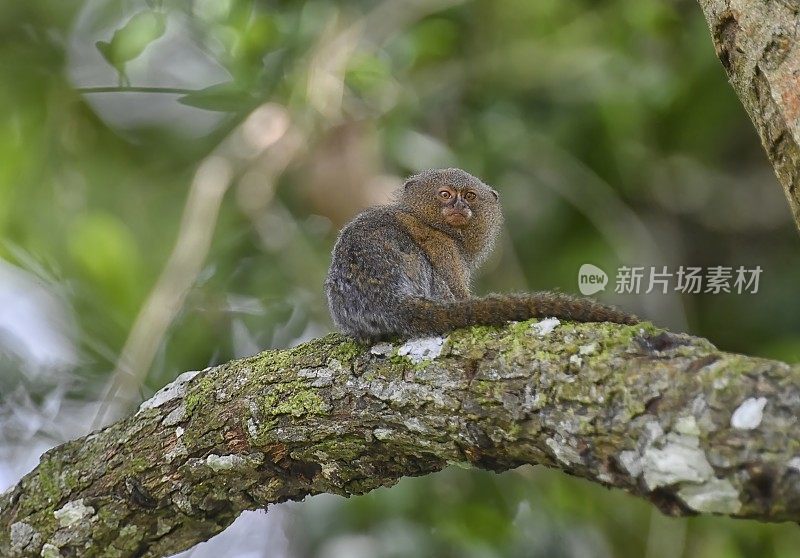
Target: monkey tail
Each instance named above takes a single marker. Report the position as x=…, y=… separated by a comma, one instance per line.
x=429, y=317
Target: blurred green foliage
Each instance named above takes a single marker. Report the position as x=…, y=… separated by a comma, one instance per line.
x=608, y=127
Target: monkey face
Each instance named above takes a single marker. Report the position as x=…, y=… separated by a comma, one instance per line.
x=455, y=205
x=452, y=197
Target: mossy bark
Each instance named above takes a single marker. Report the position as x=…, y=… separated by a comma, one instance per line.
x=757, y=43
x=661, y=415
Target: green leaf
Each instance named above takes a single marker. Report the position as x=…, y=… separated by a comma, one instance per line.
x=222, y=97
x=130, y=40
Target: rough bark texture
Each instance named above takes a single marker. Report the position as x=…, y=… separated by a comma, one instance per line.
x=757, y=43
x=661, y=415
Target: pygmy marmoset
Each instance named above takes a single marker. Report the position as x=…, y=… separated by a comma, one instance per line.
x=404, y=269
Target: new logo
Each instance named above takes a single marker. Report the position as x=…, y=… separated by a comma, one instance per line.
x=591, y=279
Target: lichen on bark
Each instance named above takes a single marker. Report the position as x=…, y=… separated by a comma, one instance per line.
x=662, y=415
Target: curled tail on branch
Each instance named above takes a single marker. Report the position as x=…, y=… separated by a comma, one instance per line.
x=428, y=317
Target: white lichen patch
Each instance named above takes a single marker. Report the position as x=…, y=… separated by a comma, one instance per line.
x=382, y=349
x=252, y=428
x=21, y=535
x=415, y=425
x=531, y=401
x=749, y=414
x=572, y=424
x=320, y=377
x=73, y=512
x=631, y=461
x=178, y=450
x=495, y=372
x=329, y=470
x=545, y=326
x=714, y=496
x=589, y=349
x=687, y=426
x=182, y=502
x=564, y=453
x=605, y=477
x=651, y=433
x=382, y=433
x=576, y=361
x=424, y=348
x=404, y=393
x=128, y=531
x=224, y=462
x=177, y=416
x=720, y=383
x=173, y=390
x=163, y=526
x=50, y=551
x=680, y=460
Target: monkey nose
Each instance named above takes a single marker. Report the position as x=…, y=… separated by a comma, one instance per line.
x=457, y=217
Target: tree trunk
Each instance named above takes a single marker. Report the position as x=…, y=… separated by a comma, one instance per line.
x=756, y=41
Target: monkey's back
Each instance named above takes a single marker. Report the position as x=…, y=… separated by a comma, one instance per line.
x=375, y=265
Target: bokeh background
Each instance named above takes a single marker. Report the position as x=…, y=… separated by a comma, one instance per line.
x=173, y=174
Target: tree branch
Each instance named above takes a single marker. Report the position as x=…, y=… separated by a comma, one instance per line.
x=661, y=415
x=756, y=42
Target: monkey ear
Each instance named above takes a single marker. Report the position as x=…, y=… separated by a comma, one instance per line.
x=409, y=183
x=495, y=194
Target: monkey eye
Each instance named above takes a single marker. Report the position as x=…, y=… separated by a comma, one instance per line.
x=470, y=196
x=445, y=194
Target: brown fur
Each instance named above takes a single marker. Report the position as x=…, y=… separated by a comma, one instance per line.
x=405, y=269
x=442, y=251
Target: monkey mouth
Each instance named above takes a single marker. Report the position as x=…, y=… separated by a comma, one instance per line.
x=457, y=217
